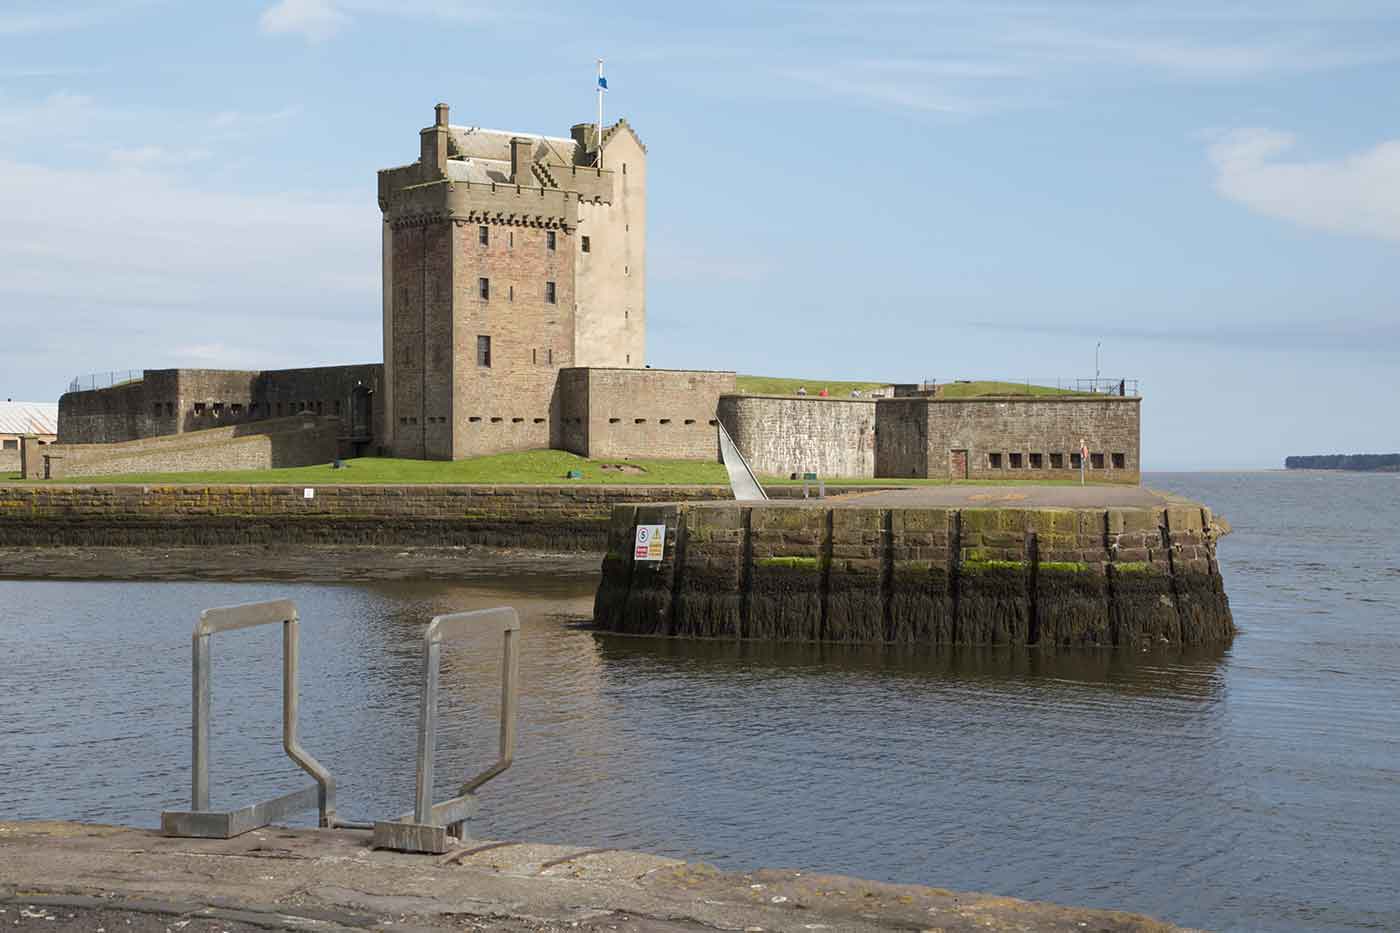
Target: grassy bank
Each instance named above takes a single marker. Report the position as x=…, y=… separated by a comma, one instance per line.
x=838, y=388
x=533, y=467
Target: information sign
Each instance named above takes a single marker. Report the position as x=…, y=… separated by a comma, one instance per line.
x=651, y=542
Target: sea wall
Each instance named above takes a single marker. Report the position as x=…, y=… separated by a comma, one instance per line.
x=977, y=576
x=547, y=517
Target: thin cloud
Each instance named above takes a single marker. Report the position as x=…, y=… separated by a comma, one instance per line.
x=1358, y=194
x=314, y=20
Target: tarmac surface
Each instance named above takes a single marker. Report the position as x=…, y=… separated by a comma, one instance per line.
x=62, y=876
x=1029, y=496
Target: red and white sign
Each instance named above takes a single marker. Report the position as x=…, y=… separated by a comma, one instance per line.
x=651, y=542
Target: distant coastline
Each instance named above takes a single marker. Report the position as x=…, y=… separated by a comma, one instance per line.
x=1359, y=463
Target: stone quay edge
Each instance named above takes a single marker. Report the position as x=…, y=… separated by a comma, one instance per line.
x=925, y=567
x=60, y=876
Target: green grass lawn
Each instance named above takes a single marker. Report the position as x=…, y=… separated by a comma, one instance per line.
x=992, y=387
x=774, y=385
x=533, y=467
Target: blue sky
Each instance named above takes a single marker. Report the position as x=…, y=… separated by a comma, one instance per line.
x=881, y=190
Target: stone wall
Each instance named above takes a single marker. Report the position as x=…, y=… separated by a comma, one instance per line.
x=1009, y=438
x=10, y=460
x=513, y=403
x=167, y=402
x=786, y=572
x=259, y=445
x=549, y=517
x=781, y=435
x=656, y=413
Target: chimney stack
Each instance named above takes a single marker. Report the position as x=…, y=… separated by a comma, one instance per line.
x=432, y=160
x=520, y=160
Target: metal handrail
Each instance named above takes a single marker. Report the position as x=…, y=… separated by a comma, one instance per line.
x=199, y=821
x=431, y=827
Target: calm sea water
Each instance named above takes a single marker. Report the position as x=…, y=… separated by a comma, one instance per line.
x=1252, y=788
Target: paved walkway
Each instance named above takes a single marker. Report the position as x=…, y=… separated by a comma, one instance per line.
x=997, y=496
x=57, y=876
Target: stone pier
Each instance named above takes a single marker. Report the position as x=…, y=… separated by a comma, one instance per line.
x=944, y=565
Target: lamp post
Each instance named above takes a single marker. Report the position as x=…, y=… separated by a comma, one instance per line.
x=1096, y=365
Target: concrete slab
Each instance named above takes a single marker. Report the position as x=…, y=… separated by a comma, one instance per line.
x=70, y=876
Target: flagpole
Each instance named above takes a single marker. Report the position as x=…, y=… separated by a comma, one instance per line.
x=601, y=88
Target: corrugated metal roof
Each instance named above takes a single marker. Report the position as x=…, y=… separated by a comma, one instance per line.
x=28, y=417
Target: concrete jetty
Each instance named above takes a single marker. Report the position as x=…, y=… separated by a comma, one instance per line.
x=974, y=565
x=62, y=876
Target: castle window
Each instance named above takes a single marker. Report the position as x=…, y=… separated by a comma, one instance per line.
x=614, y=420
x=994, y=461
x=169, y=409
x=11, y=443
x=199, y=408
x=1037, y=461
x=483, y=235
x=539, y=421
x=549, y=292
x=337, y=406
x=236, y=408
x=1057, y=461
x=1074, y=461
x=1096, y=461
x=495, y=420
x=534, y=356
x=510, y=293
x=549, y=354
x=665, y=420
x=510, y=239
x=624, y=168
x=516, y=420
x=279, y=409
x=584, y=244
x=1120, y=462
x=1015, y=461
x=474, y=419
x=157, y=411
x=629, y=359
x=483, y=351
x=639, y=421
x=218, y=408
x=713, y=422
x=549, y=240
x=690, y=421
x=483, y=289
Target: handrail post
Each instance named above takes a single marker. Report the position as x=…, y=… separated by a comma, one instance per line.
x=199, y=820
x=435, y=827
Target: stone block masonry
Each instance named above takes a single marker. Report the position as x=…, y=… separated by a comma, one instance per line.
x=971, y=576
x=260, y=445
x=782, y=435
x=553, y=518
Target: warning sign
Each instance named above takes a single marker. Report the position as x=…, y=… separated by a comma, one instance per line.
x=651, y=542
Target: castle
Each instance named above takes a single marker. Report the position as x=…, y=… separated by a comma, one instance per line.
x=514, y=318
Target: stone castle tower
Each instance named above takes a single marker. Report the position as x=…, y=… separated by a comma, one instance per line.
x=508, y=257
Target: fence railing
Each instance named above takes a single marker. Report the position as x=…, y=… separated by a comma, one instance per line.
x=113, y=377
x=953, y=388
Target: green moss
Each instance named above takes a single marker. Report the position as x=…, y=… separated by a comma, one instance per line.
x=1133, y=566
x=1063, y=566
x=792, y=563
x=981, y=566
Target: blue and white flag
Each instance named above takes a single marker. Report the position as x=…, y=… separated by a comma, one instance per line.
x=602, y=82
